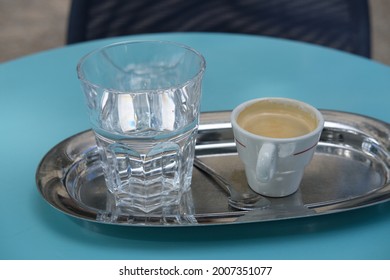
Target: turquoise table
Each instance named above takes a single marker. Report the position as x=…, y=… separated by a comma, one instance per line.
x=42, y=103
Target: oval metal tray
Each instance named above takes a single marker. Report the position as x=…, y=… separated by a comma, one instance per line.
x=349, y=170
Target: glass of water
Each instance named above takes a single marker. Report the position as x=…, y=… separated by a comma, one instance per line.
x=143, y=99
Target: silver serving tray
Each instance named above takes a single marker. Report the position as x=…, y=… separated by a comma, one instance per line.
x=350, y=170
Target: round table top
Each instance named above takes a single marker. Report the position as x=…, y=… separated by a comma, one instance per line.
x=43, y=104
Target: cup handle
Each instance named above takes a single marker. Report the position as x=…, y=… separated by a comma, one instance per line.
x=266, y=163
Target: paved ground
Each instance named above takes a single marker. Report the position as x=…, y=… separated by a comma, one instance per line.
x=29, y=26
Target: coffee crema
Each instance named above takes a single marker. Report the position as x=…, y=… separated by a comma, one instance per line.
x=276, y=120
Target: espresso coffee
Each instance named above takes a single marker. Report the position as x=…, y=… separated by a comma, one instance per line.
x=276, y=120
x=275, y=140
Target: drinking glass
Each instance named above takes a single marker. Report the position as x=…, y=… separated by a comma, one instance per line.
x=143, y=99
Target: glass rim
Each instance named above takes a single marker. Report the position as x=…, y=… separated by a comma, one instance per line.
x=84, y=58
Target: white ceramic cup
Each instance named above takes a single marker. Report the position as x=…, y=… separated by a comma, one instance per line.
x=274, y=164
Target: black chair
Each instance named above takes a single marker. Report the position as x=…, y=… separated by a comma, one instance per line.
x=340, y=24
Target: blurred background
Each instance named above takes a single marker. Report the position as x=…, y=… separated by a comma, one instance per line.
x=30, y=26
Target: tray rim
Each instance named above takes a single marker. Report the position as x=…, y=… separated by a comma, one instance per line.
x=208, y=122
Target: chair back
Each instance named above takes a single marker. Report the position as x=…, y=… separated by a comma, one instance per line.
x=339, y=24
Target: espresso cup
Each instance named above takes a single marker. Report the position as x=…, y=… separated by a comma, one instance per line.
x=276, y=140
